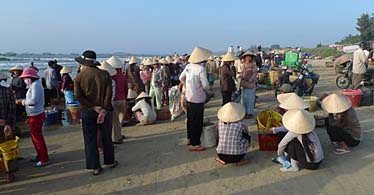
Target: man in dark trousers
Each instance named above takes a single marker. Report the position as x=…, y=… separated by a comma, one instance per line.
x=93, y=90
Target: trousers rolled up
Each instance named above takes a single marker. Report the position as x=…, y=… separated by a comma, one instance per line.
x=156, y=93
x=195, y=119
x=248, y=100
x=90, y=131
x=119, y=110
x=36, y=131
x=296, y=151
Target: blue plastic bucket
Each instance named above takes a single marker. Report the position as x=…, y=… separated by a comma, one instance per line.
x=51, y=118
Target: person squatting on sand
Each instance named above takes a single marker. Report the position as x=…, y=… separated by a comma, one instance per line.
x=233, y=138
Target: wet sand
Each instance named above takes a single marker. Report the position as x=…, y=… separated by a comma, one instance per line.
x=155, y=160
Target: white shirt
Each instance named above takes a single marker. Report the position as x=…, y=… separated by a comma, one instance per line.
x=359, y=60
x=194, y=78
x=149, y=114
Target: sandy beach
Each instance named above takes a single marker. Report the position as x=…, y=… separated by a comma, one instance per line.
x=155, y=160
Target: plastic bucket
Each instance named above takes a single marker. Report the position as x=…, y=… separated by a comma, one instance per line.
x=74, y=111
x=9, y=149
x=274, y=76
x=51, y=118
x=355, y=95
x=209, y=135
x=312, y=101
x=268, y=119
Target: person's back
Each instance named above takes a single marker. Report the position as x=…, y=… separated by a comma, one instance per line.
x=51, y=78
x=231, y=140
x=93, y=87
x=19, y=87
x=350, y=123
x=196, y=83
x=147, y=110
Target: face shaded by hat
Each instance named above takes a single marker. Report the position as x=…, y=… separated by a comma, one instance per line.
x=299, y=121
x=231, y=112
x=88, y=58
x=336, y=103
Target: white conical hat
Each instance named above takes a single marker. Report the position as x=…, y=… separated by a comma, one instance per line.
x=169, y=59
x=231, y=112
x=199, y=55
x=107, y=67
x=133, y=60
x=131, y=94
x=229, y=56
x=163, y=61
x=16, y=67
x=148, y=62
x=336, y=103
x=66, y=69
x=299, y=121
x=144, y=59
x=294, y=102
x=143, y=95
x=284, y=96
x=115, y=62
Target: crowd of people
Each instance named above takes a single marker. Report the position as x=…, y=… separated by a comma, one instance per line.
x=110, y=91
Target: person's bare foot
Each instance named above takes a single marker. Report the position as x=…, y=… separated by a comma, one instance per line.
x=221, y=162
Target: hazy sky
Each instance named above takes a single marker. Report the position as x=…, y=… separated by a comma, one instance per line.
x=165, y=26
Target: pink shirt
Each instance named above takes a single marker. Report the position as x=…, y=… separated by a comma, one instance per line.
x=194, y=78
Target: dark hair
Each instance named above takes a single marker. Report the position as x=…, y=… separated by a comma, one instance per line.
x=50, y=63
x=307, y=145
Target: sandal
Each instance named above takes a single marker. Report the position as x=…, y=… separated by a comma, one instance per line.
x=242, y=162
x=112, y=166
x=41, y=164
x=221, y=162
x=97, y=171
x=196, y=148
x=35, y=159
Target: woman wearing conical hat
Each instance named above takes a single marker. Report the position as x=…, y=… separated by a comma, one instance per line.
x=289, y=101
x=146, y=74
x=18, y=87
x=144, y=110
x=165, y=81
x=227, y=77
x=156, y=84
x=67, y=85
x=300, y=147
x=133, y=75
x=194, y=79
x=342, y=125
x=233, y=135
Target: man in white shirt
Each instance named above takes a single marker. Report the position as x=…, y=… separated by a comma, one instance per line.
x=194, y=79
x=359, y=66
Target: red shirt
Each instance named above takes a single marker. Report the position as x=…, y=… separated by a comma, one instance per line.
x=121, y=86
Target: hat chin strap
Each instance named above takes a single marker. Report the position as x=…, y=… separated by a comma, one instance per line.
x=90, y=59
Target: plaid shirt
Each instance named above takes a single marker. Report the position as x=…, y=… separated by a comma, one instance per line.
x=7, y=106
x=231, y=140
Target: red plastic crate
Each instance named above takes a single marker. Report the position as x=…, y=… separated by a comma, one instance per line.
x=268, y=142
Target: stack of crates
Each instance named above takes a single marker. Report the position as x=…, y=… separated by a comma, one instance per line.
x=292, y=60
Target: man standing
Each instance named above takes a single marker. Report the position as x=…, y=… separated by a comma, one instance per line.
x=7, y=119
x=196, y=83
x=51, y=82
x=359, y=66
x=119, y=101
x=93, y=90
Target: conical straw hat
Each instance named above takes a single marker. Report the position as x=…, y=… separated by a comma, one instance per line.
x=144, y=59
x=154, y=61
x=16, y=67
x=163, y=61
x=115, y=62
x=336, y=103
x=299, y=121
x=169, y=59
x=284, y=96
x=231, y=112
x=229, y=56
x=211, y=58
x=131, y=94
x=148, y=62
x=199, y=55
x=143, y=95
x=105, y=66
x=133, y=60
x=66, y=69
x=294, y=102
